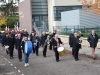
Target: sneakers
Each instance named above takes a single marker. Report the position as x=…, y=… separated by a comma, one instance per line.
x=26, y=64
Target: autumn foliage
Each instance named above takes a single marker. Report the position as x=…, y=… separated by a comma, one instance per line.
x=94, y=5
x=3, y=20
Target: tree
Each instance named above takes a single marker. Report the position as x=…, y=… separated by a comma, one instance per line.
x=9, y=8
x=94, y=5
x=11, y=21
x=3, y=20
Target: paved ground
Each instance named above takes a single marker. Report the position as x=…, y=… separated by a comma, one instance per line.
x=48, y=65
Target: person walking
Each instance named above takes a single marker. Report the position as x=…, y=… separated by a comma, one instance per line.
x=56, y=41
x=19, y=43
x=71, y=36
x=37, y=44
x=93, y=40
x=26, y=54
x=11, y=45
x=76, y=46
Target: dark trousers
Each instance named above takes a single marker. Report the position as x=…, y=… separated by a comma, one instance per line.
x=11, y=49
x=72, y=51
x=37, y=49
x=50, y=47
x=56, y=54
x=76, y=53
x=19, y=54
x=34, y=49
x=44, y=51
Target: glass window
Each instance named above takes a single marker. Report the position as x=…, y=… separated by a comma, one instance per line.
x=58, y=9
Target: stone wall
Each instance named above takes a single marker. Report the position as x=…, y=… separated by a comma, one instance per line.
x=65, y=39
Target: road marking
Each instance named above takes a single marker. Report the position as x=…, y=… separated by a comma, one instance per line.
x=2, y=64
x=11, y=65
x=19, y=71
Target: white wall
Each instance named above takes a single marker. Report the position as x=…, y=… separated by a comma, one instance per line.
x=70, y=18
x=67, y=2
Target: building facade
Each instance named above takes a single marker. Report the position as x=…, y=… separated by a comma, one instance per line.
x=44, y=14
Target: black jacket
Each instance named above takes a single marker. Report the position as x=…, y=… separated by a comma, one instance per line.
x=75, y=43
x=11, y=42
x=93, y=41
x=6, y=41
x=71, y=36
x=43, y=39
x=19, y=43
x=54, y=42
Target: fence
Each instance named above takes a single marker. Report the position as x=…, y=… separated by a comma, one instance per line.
x=65, y=30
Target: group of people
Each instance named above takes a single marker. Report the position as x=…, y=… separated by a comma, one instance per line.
x=51, y=40
x=75, y=43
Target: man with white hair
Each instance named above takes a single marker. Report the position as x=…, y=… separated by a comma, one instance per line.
x=56, y=41
x=71, y=36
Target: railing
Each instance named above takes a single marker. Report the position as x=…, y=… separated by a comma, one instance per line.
x=65, y=30
x=44, y=27
x=36, y=29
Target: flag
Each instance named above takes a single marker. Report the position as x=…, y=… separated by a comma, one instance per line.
x=16, y=28
x=7, y=29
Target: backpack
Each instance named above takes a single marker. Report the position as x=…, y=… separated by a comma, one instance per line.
x=28, y=47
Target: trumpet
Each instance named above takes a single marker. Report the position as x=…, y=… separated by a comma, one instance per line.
x=80, y=41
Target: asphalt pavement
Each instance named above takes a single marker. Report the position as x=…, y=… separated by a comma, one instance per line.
x=48, y=66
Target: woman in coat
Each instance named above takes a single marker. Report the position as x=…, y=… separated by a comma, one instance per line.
x=93, y=40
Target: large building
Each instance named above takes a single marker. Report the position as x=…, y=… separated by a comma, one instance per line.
x=44, y=14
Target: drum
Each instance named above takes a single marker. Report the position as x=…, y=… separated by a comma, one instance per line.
x=28, y=47
x=62, y=51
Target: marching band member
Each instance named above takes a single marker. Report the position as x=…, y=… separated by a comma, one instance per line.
x=71, y=36
x=37, y=44
x=50, y=40
x=11, y=45
x=93, y=40
x=56, y=43
x=76, y=46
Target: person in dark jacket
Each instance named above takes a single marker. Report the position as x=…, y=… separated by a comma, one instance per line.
x=19, y=44
x=33, y=40
x=6, y=42
x=71, y=36
x=50, y=40
x=11, y=45
x=37, y=44
x=93, y=40
x=56, y=43
x=43, y=38
x=54, y=32
x=76, y=46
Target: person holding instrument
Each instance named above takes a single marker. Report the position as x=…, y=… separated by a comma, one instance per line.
x=76, y=46
x=56, y=43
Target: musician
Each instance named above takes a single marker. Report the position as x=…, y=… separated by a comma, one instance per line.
x=6, y=42
x=56, y=43
x=11, y=45
x=93, y=40
x=54, y=32
x=76, y=46
x=43, y=38
x=50, y=40
x=71, y=36
x=37, y=44
x=19, y=43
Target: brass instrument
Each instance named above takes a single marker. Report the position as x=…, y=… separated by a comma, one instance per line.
x=80, y=41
